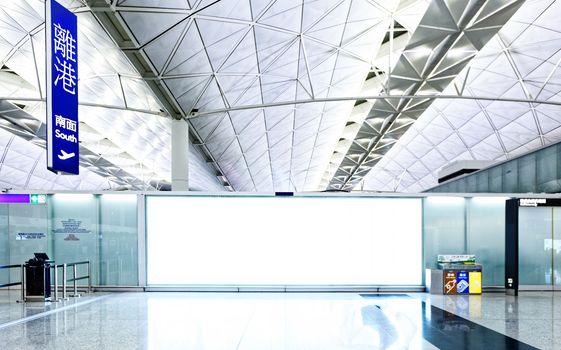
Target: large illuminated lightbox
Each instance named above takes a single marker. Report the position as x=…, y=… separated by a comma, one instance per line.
x=261, y=241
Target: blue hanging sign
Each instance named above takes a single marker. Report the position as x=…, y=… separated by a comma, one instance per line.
x=62, y=89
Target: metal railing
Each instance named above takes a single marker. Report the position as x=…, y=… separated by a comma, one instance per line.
x=22, y=282
x=75, y=278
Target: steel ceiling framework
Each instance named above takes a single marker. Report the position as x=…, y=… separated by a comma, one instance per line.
x=450, y=34
x=520, y=63
x=133, y=147
x=16, y=121
x=276, y=95
x=207, y=55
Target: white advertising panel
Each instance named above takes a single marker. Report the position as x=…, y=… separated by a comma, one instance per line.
x=283, y=241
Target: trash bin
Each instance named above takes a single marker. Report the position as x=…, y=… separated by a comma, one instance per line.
x=38, y=278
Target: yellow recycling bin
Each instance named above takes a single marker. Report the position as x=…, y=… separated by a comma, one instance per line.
x=475, y=282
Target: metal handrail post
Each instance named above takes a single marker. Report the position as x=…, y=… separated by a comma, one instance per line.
x=89, y=278
x=75, y=274
x=74, y=268
x=64, y=282
x=22, y=284
x=56, y=283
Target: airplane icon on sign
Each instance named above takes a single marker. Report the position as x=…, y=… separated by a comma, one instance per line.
x=65, y=156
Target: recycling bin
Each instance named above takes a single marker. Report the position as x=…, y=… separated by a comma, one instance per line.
x=455, y=279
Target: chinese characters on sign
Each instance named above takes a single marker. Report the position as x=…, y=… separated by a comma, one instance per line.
x=65, y=123
x=65, y=54
x=62, y=90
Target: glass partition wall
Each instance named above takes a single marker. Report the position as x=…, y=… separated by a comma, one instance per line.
x=71, y=228
x=75, y=232
x=458, y=225
x=27, y=233
x=23, y=230
x=4, y=243
x=118, y=241
x=107, y=228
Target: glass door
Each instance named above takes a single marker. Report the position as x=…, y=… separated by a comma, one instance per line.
x=556, y=248
x=536, y=233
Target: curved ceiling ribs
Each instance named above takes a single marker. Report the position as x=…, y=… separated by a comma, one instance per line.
x=123, y=126
x=275, y=90
x=519, y=69
x=21, y=124
x=204, y=55
x=450, y=34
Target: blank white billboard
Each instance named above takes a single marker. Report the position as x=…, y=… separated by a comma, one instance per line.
x=283, y=241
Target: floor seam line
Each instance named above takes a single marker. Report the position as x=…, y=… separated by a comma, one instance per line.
x=50, y=312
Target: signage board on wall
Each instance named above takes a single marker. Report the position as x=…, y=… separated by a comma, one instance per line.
x=532, y=202
x=24, y=236
x=71, y=226
x=37, y=198
x=10, y=198
x=14, y=198
x=539, y=202
x=62, y=89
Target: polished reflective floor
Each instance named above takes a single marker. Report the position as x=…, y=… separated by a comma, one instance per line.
x=283, y=321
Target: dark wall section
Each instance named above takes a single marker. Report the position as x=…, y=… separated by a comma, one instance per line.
x=511, y=246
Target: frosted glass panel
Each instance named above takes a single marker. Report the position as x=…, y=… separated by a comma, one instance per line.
x=4, y=243
x=482, y=180
x=535, y=235
x=496, y=179
x=510, y=176
x=537, y=172
x=546, y=174
x=26, y=221
x=283, y=241
x=486, y=237
x=527, y=173
x=75, y=231
x=556, y=247
x=444, y=227
x=119, y=240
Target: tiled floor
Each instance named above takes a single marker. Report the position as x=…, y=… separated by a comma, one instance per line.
x=532, y=317
x=280, y=321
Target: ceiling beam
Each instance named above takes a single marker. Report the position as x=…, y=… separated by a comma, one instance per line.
x=373, y=97
x=110, y=19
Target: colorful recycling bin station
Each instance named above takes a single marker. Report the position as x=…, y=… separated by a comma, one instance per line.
x=456, y=274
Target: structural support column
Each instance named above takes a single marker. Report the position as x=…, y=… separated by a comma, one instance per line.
x=179, y=155
x=511, y=246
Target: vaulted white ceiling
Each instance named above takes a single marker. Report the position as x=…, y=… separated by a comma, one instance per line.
x=227, y=54
x=239, y=72
x=125, y=137
x=521, y=62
